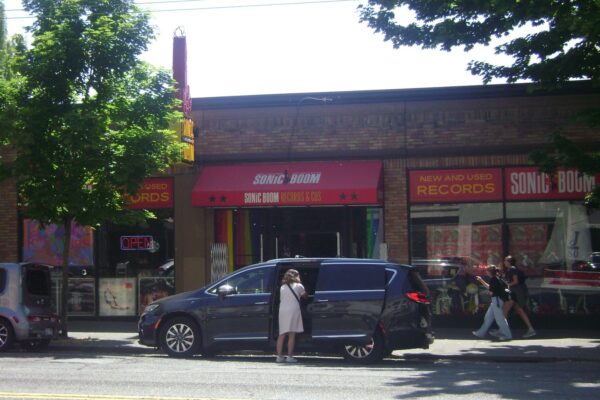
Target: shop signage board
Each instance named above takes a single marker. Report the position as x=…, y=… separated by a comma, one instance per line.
x=455, y=185
x=488, y=184
x=289, y=184
x=155, y=193
x=528, y=183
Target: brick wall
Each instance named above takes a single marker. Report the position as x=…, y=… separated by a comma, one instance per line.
x=405, y=128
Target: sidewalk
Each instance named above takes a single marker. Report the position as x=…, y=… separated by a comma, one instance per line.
x=120, y=337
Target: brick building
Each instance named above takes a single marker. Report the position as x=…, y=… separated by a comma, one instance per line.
x=364, y=174
x=480, y=132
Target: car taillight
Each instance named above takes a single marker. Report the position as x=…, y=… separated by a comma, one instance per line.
x=418, y=297
x=34, y=318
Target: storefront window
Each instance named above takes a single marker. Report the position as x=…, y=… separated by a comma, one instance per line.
x=555, y=243
x=469, y=231
x=450, y=245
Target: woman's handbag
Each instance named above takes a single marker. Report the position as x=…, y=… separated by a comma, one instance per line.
x=303, y=310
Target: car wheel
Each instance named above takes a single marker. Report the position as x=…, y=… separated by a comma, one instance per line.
x=180, y=337
x=35, y=345
x=367, y=353
x=7, y=336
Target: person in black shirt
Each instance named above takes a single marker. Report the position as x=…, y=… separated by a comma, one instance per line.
x=499, y=293
x=518, y=289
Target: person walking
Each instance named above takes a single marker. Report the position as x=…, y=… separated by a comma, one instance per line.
x=290, y=315
x=519, y=293
x=499, y=293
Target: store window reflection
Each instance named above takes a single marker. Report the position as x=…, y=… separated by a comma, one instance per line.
x=554, y=243
x=450, y=245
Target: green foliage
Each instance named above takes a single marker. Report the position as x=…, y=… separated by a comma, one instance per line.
x=89, y=120
x=561, y=44
x=86, y=119
x=550, y=42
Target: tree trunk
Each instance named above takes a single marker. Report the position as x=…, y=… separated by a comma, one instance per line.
x=65, y=276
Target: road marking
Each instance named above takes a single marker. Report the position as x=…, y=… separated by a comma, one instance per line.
x=66, y=396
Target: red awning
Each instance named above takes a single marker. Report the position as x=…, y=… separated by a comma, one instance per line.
x=289, y=184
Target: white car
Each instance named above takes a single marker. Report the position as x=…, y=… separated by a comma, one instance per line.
x=26, y=312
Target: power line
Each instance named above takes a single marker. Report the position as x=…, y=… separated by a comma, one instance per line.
x=296, y=3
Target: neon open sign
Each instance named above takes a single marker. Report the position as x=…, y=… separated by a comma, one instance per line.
x=142, y=242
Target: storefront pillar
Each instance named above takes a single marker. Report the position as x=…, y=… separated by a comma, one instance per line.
x=192, y=236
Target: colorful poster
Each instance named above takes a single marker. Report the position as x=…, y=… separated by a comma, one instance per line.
x=117, y=297
x=481, y=243
x=152, y=289
x=527, y=243
x=44, y=244
x=82, y=296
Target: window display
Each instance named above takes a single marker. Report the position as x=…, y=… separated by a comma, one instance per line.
x=544, y=225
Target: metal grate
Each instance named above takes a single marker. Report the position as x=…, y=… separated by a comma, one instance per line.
x=219, y=261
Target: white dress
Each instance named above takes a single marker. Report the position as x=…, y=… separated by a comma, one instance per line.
x=290, y=317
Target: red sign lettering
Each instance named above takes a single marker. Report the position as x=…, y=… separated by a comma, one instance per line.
x=132, y=243
x=154, y=193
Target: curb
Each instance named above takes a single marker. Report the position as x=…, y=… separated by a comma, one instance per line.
x=495, y=358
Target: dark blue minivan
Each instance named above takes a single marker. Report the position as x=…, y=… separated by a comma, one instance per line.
x=360, y=308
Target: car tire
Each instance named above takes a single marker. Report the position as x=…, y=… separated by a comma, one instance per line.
x=180, y=337
x=7, y=335
x=368, y=353
x=35, y=345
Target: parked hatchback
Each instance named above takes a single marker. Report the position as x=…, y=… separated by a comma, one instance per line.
x=362, y=309
x=26, y=312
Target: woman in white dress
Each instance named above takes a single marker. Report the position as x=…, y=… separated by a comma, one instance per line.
x=290, y=316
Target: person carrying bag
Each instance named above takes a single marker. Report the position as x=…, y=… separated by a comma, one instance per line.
x=500, y=293
x=290, y=314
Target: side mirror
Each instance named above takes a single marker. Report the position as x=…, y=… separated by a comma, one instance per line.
x=225, y=290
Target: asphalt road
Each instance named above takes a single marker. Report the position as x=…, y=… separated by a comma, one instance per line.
x=78, y=375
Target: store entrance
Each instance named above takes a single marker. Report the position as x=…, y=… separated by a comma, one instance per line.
x=308, y=232
x=313, y=244
x=262, y=234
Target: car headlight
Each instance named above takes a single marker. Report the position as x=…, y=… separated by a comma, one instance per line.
x=150, y=307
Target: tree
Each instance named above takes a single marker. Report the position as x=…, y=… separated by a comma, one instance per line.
x=90, y=121
x=550, y=42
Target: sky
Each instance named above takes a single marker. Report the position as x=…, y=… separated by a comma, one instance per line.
x=252, y=47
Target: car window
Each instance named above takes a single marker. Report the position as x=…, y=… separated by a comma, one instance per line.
x=340, y=277
x=416, y=282
x=37, y=282
x=2, y=279
x=257, y=280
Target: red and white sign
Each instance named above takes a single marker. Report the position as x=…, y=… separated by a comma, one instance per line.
x=289, y=184
x=154, y=193
x=528, y=183
x=455, y=185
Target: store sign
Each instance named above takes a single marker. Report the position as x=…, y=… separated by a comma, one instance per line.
x=137, y=243
x=289, y=184
x=455, y=185
x=528, y=183
x=154, y=193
